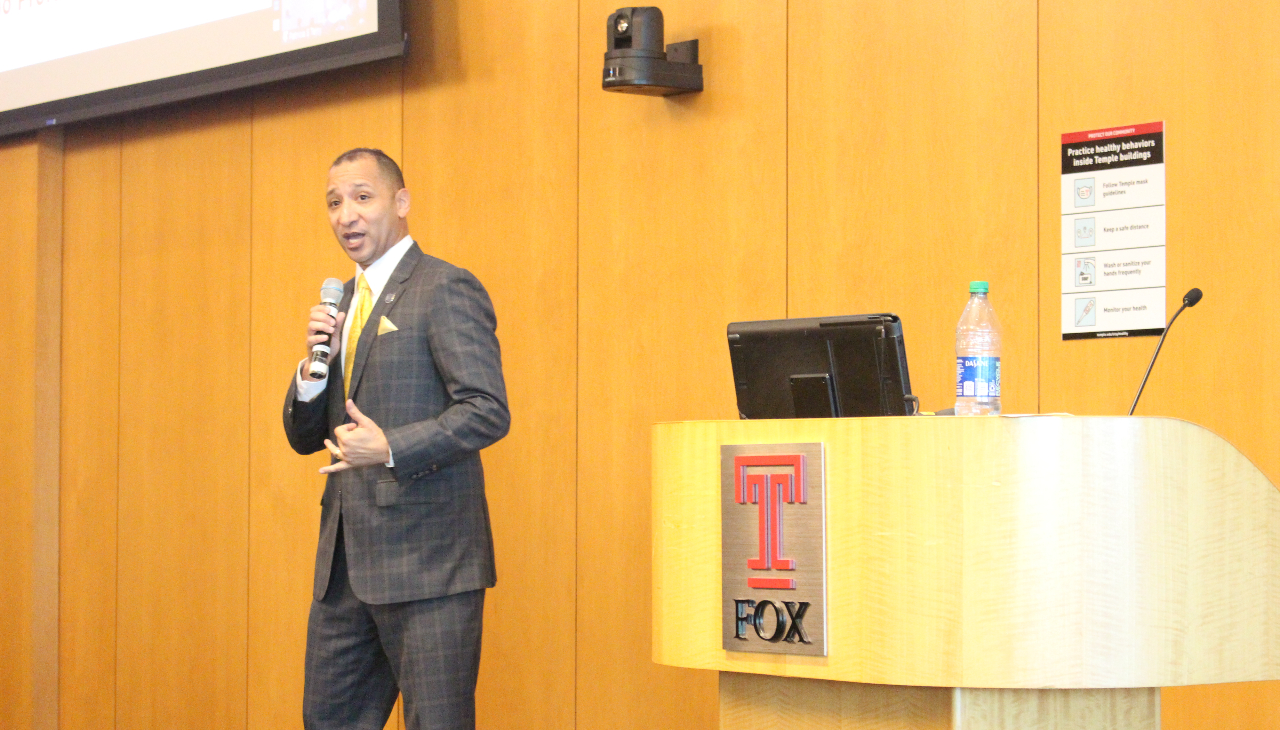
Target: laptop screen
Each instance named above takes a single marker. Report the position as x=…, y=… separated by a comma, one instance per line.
x=821, y=367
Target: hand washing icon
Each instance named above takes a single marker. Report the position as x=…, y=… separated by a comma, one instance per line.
x=1086, y=272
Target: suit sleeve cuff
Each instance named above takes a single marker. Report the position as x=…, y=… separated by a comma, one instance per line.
x=307, y=390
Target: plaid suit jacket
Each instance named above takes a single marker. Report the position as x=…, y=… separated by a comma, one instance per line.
x=434, y=385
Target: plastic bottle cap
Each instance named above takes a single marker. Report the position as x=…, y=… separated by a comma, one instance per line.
x=978, y=287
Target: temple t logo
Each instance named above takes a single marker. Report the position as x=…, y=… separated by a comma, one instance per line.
x=773, y=548
x=777, y=480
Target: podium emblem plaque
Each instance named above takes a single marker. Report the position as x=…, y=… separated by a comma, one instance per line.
x=773, y=548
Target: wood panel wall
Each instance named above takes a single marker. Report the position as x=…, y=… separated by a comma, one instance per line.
x=29, y=490
x=90, y=426
x=18, y=158
x=683, y=229
x=184, y=407
x=1210, y=73
x=910, y=177
x=490, y=155
x=46, y=484
x=836, y=163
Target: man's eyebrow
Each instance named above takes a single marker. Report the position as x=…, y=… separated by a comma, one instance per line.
x=360, y=185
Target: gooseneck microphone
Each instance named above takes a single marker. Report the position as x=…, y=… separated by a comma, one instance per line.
x=330, y=296
x=1190, y=299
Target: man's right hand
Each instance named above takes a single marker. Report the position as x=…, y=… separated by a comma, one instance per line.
x=323, y=328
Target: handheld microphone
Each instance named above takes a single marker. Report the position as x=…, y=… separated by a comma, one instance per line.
x=330, y=295
x=1190, y=299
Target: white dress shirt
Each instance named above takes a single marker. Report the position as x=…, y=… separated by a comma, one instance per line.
x=376, y=277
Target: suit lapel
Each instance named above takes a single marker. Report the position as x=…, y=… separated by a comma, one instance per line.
x=387, y=300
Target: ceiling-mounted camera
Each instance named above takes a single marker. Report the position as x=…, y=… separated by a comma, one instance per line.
x=637, y=63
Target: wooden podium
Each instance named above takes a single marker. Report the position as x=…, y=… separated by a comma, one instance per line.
x=987, y=572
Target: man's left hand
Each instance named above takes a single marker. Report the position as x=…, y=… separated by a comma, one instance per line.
x=359, y=444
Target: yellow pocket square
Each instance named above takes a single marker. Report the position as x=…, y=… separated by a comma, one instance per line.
x=385, y=326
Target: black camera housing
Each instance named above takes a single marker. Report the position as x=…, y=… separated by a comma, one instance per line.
x=637, y=63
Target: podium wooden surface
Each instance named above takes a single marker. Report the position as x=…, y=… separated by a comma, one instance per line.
x=1004, y=555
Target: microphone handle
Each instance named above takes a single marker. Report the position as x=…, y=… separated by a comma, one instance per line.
x=1155, y=355
x=319, y=367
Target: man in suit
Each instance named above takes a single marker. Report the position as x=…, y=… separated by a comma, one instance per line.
x=414, y=391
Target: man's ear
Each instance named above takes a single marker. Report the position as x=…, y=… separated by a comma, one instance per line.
x=402, y=202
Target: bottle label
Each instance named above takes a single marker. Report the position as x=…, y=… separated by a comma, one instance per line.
x=978, y=377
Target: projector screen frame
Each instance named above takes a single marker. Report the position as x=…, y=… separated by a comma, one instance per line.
x=390, y=41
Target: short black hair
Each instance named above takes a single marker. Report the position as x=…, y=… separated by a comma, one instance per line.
x=386, y=165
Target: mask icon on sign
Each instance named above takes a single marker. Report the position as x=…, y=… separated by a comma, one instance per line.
x=1084, y=192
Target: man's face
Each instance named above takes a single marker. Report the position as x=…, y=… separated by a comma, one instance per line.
x=367, y=213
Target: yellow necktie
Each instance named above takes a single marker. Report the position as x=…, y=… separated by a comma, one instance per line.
x=359, y=314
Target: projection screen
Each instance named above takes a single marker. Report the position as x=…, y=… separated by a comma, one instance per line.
x=68, y=60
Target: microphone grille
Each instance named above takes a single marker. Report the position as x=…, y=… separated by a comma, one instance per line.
x=331, y=291
x=1193, y=297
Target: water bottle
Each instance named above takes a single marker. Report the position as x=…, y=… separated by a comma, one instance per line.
x=978, y=356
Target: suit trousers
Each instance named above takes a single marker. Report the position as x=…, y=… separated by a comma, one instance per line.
x=360, y=656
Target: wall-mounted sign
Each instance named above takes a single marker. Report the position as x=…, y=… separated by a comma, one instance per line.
x=1113, y=242
x=773, y=548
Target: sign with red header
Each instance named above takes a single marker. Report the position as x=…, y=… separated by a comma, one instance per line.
x=773, y=548
x=1096, y=135
x=1113, y=232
